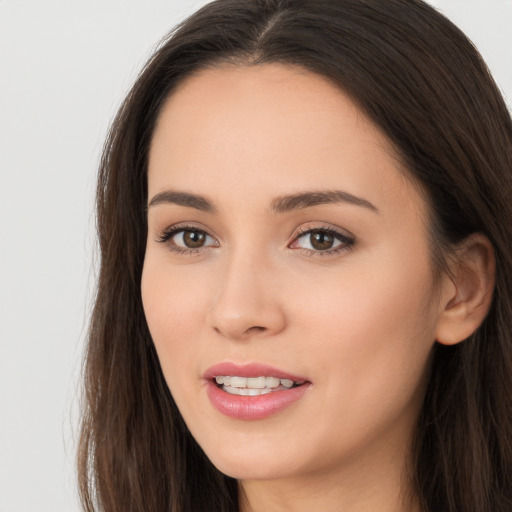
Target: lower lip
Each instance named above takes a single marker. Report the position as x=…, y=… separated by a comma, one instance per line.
x=253, y=407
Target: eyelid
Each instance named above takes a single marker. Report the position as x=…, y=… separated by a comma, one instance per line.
x=168, y=233
x=346, y=238
x=323, y=226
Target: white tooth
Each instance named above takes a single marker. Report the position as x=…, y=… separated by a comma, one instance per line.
x=230, y=390
x=256, y=382
x=255, y=392
x=252, y=392
x=272, y=382
x=287, y=383
x=220, y=379
x=238, y=382
x=227, y=380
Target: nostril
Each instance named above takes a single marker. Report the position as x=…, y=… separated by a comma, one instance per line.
x=242, y=334
x=253, y=331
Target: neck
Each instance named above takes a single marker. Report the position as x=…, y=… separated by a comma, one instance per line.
x=369, y=483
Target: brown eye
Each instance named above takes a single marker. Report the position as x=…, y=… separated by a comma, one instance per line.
x=193, y=239
x=187, y=239
x=321, y=241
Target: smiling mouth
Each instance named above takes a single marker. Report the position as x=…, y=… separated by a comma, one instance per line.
x=254, y=386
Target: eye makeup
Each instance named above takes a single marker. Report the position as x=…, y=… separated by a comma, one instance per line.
x=321, y=241
x=312, y=241
x=186, y=239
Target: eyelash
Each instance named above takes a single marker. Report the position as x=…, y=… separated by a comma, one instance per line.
x=347, y=242
x=169, y=233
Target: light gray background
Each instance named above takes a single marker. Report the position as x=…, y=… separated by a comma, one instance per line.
x=64, y=68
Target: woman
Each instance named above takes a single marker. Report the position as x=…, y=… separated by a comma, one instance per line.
x=304, y=300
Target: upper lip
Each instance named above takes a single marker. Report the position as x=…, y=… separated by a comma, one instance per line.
x=249, y=370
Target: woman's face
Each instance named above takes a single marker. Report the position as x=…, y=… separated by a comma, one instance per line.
x=285, y=248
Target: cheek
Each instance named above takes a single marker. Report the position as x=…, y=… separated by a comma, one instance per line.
x=174, y=306
x=370, y=337
x=357, y=300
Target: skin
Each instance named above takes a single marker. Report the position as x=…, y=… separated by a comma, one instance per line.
x=359, y=324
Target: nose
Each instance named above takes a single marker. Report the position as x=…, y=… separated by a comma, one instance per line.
x=247, y=301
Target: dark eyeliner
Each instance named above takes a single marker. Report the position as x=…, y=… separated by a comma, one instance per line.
x=167, y=234
x=347, y=242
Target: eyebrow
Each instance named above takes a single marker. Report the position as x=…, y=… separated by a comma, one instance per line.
x=307, y=199
x=182, y=199
x=281, y=204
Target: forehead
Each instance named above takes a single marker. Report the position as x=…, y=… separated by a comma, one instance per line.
x=271, y=100
x=269, y=128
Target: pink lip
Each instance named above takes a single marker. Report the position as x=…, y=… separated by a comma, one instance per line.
x=249, y=370
x=252, y=407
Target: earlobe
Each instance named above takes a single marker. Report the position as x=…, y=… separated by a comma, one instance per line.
x=468, y=300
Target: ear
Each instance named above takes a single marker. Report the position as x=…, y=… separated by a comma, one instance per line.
x=466, y=301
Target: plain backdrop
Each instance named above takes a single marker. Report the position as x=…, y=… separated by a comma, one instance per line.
x=64, y=69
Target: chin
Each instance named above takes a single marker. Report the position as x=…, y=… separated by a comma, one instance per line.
x=243, y=471
x=256, y=464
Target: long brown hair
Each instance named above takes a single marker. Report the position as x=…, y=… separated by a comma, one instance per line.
x=425, y=85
